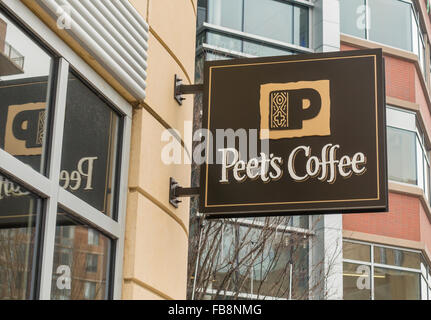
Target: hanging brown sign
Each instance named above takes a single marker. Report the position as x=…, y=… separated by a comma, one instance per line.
x=295, y=135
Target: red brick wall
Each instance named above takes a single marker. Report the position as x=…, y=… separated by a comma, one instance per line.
x=425, y=228
x=402, y=221
x=407, y=219
x=400, y=77
x=423, y=106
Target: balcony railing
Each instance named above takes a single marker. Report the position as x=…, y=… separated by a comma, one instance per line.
x=13, y=55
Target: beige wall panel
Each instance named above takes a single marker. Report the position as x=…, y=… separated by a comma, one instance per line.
x=160, y=250
x=160, y=87
x=148, y=172
x=132, y=291
x=174, y=22
x=130, y=236
x=141, y=7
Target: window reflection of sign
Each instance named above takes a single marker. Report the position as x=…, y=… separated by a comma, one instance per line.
x=25, y=129
x=10, y=189
x=87, y=154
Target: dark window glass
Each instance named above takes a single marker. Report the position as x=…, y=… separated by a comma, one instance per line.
x=401, y=155
x=393, y=29
x=20, y=217
x=396, y=257
x=24, y=95
x=92, y=260
x=353, y=17
x=300, y=26
x=356, y=281
x=90, y=147
x=85, y=262
x=396, y=285
x=202, y=12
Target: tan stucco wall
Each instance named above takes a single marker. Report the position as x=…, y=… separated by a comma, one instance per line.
x=156, y=243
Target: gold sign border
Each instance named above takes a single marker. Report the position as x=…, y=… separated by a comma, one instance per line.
x=294, y=202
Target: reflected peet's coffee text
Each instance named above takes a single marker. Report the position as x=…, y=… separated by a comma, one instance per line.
x=81, y=178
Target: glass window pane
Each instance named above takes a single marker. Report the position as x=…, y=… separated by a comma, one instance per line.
x=356, y=251
x=401, y=155
x=299, y=222
x=225, y=260
x=393, y=29
x=420, y=164
x=415, y=35
x=424, y=289
x=401, y=119
x=81, y=270
x=24, y=85
x=90, y=147
x=225, y=13
x=396, y=285
x=426, y=178
x=270, y=19
x=356, y=281
x=20, y=218
x=396, y=257
x=300, y=26
x=261, y=50
x=202, y=12
x=223, y=41
x=353, y=18
x=279, y=258
x=422, y=55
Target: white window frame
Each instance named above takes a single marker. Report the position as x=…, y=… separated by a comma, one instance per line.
x=258, y=39
x=373, y=264
x=418, y=140
x=49, y=188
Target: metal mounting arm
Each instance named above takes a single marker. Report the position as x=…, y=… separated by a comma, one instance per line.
x=176, y=191
x=181, y=89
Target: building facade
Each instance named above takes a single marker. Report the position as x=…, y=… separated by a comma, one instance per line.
x=358, y=256
x=86, y=91
x=87, y=107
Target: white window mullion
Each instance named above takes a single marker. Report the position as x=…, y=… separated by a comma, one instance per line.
x=88, y=214
x=372, y=273
x=122, y=207
x=24, y=175
x=54, y=174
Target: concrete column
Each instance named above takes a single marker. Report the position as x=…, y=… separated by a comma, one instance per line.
x=326, y=261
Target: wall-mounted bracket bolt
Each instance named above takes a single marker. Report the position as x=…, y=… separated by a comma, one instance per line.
x=181, y=89
x=176, y=192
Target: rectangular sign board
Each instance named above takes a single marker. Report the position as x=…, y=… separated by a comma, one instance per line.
x=315, y=133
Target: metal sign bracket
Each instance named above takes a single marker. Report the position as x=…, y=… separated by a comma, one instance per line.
x=176, y=192
x=181, y=89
